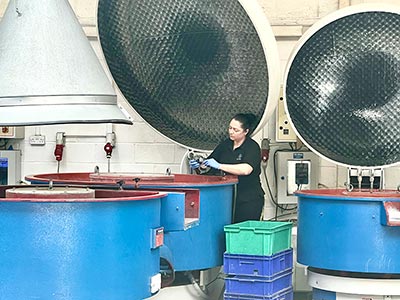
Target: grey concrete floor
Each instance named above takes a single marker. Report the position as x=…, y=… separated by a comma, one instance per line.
x=302, y=296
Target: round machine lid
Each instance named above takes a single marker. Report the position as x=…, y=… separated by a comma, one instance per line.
x=188, y=66
x=50, y=193
x=342, y=86
x=139, y=177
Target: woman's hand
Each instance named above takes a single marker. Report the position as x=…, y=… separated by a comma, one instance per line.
x=212, y=163
x=194, y=164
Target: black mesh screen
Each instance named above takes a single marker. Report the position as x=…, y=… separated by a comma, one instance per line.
x=343, y=90
x=185, y=66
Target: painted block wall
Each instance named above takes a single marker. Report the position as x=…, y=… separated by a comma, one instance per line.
x=139, y=148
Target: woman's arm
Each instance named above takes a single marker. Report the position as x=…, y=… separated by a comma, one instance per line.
x=236, y=169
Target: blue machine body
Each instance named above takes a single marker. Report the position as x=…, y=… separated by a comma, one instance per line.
x=78, y=249
x=349, y=231
x=199, y=246
x=203, y=246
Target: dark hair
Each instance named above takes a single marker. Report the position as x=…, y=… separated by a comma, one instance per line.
x=247, y=120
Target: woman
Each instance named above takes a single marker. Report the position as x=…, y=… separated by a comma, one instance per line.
x=240, y=155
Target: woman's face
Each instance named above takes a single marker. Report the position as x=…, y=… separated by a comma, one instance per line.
x=236, y=132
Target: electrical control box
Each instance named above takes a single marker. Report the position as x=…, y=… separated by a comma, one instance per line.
x=10, y=167
x=284, y=130
x=7, y=132
x=296, y=170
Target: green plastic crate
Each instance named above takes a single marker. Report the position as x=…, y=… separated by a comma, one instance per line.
x=258, y=237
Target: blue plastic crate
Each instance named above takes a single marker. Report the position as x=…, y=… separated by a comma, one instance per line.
x=286, y=294
x=251, y=285
x=258, y=265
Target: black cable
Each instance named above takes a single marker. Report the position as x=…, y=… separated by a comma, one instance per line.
x=272, y=197
x=276, y=176
x=4, y=145
x=283, y=215
x=275, y=154
x=264, y=167
x=277, y=206
x=293, y=146
x=321, y=185
x=216, y=278
x=195, y=283
x=292, y=149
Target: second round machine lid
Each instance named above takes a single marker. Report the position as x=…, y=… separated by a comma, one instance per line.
x=342, y=86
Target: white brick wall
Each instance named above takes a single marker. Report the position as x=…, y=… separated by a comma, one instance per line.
x=139, y=147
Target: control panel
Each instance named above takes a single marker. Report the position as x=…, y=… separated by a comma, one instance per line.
x=296, y=170
x=366, y=178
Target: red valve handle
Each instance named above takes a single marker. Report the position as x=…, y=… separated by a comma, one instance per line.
x=108, y=148
x=58, y=152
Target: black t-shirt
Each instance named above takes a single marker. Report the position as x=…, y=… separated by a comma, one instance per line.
x=249, y=152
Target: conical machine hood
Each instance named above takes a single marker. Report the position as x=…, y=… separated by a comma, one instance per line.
x=49, y=71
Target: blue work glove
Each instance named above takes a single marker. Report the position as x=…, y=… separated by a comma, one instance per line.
x=212, y=163
x=194, y=164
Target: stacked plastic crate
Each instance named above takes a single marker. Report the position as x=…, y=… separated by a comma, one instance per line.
x=258, y=261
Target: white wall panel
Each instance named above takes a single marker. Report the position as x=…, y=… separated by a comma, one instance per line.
x=139, y=147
